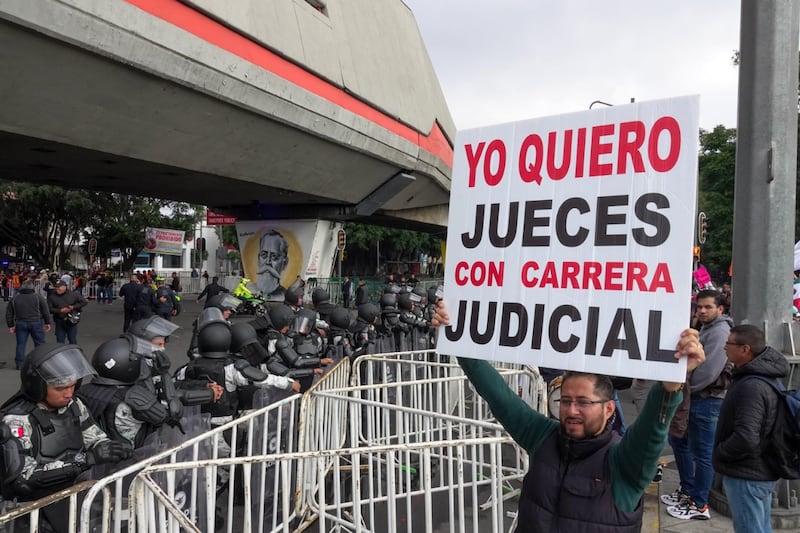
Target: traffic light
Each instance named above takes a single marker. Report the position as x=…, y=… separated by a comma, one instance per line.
x=341, y=239
x=696, y=252
x=702, y=230
x=201, y=244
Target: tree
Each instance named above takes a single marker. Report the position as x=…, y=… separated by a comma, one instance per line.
x=49, y=221
x=364, y=241
x=121, y=221
x=45, y=219
x=716, y=169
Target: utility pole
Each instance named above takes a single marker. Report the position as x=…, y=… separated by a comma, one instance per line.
x=764, y=191
x=766, y=170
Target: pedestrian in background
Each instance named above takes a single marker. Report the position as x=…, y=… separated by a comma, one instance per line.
x=745, y=424
x=707, y=386
x=5, y=281
x=65, y=306
x=211, y=290
x=27, y=316
x=362, y=294
x=100, y=283
x=346, y=288
x=130, y=293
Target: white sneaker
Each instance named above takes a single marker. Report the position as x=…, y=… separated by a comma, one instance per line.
x=689, y=511
x=674, y=498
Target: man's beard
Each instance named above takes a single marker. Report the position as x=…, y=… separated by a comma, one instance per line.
x=269, y=278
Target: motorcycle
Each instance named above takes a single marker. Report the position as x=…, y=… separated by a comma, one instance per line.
x=252, y=303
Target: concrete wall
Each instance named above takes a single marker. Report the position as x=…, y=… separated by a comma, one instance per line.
x=372, y=48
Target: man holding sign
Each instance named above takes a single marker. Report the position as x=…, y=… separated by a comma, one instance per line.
x=569, y=246
x=583, y=476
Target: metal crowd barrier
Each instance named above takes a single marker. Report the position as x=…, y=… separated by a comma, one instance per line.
x=352, y=454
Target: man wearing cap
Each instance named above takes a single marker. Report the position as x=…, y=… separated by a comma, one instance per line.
x=66, y=305
x=47, y=437
x=164, y=302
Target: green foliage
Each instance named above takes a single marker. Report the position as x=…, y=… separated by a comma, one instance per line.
x=365, y=241
x=45, y=219
x=229, y=236
x=48, y=220
x=121, y=221
x=716, y=169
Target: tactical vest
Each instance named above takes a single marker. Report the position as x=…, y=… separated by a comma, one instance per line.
x=573, y=496
x=306, y=346
x=56, y=436
x=213, y=369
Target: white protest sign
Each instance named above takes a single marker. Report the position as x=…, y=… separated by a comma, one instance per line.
x=570, y=240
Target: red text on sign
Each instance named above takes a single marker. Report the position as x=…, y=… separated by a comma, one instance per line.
x=480, y=273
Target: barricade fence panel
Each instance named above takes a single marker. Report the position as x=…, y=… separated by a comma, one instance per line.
x=374, y=445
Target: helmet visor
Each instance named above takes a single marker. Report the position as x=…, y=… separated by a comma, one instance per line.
x=229, y=302
x=66, y=366
x=159, y=327
x=143, y=347
x=416, y=298
x=302, y=325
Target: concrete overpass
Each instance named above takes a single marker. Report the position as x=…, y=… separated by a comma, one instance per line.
x=285, y=108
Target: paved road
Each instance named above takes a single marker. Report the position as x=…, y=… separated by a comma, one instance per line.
x=103, y=322
x=99, y=323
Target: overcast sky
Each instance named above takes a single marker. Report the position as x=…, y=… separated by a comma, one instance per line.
x=508, y=60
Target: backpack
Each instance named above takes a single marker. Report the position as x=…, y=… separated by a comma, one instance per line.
x=783, y=447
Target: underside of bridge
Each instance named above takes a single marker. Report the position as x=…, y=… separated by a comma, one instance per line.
x=105, y=96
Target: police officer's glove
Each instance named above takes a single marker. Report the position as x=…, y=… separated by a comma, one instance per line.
x=109, y=451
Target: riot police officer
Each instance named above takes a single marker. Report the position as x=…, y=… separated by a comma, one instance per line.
x=245, y=344
x=340, y=342
x=414, y=328
x=215, y=364
x=364, y=334
x=283, y=359
x=389, y=329
x=322, y=304
x=47, y=435
x=226, y=303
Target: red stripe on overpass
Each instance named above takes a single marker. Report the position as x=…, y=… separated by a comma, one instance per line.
x=200, y=25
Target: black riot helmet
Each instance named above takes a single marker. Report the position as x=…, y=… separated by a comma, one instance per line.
x=340, y=318
x=434, y=294
x=224, y=302
x=150, y=328
x=368, y=313
x=52, y=364
x=405, y=301
x=320, y=296
x=281, y=316
x=422, y=293
x=242, y=334
x=118, y=363
x=213, y=334
x=389, y=300
x=391, y=289
x=294, y=296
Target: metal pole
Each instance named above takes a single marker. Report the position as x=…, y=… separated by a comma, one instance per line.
x=766, y=155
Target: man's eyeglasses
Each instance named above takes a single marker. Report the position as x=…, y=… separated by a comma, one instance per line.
x=729, y=343
x=581, y=403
